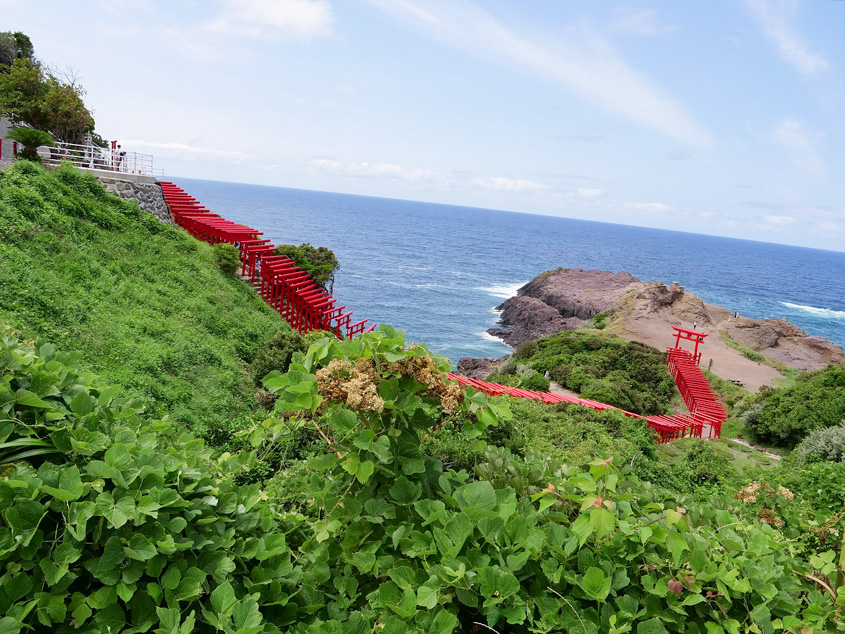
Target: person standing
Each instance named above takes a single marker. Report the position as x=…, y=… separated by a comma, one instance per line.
x=120, y=156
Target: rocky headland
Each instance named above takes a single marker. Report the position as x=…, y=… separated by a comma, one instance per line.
x=568, y=299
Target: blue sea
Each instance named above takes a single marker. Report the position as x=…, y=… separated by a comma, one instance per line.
x=439, y=271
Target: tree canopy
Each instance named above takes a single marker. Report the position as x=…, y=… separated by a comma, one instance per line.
x=14, y=46
x=33, y=95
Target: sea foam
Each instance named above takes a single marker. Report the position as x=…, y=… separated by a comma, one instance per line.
x=505, y=291
x=826, y=313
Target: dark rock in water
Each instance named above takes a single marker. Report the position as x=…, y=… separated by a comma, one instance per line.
x=479, y=368
x=563, y=299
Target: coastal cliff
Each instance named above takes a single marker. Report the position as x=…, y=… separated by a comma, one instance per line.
x=567, y=299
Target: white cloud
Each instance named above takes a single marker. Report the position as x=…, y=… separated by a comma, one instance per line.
x=640, y=23
x=780, y=221
x=397, y=172
x=268, y=19
x=574, y=57
x=794, y=135
x=376, y=170
x=499, y=183
x=183, y=152
x=588, y=192
x=775, y=18
x=650, y=207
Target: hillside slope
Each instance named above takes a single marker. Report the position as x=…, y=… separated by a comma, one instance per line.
x=145, y=301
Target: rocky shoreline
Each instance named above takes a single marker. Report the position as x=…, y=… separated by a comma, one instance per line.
x=568, y=299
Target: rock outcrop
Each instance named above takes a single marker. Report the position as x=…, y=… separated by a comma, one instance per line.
x=480, y=368
x=564, y=299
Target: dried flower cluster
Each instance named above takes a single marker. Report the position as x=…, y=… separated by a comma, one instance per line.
x=750, y=492
x=768, y=516
x=357, y=385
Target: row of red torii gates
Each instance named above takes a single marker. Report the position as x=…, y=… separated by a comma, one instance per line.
x=306, y=306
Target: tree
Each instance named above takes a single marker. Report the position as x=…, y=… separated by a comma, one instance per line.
x=14, y=46
x=319, y=262
x=33, y=96
x=31, y=139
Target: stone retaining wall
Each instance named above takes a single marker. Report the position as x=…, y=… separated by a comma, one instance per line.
x=147, y=195
x=6, y=157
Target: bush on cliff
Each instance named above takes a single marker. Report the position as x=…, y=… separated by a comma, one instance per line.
x=784, y=416
x=227, y=257
x=319, y=262
x=627, y=374
x=145, y=301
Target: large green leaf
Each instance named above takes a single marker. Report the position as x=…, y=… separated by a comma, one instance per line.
x=70, y=485
x=404, y=491
x=595, y=584
x=477, y=495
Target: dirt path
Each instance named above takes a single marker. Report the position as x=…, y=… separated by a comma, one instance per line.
x=729, y=364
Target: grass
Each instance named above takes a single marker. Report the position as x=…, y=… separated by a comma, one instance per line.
x=789, y=373
x=145, y=302
x=741, y=457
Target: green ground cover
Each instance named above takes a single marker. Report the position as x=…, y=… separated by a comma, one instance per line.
x=145, y=302
x=596, y=365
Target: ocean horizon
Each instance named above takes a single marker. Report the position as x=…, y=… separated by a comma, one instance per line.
x=438, y=271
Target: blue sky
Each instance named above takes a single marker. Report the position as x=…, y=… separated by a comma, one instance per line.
x=721, y=117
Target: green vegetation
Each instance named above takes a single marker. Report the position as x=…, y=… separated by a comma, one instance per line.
x=117, y=523
x=114, y=523
x=30, y=139
x=32, y=95
x=143, y=301
x=227, y=257
x=784, y=416
x=319, y=262
x=598, y=366
x=14, y=46
x=601, y=320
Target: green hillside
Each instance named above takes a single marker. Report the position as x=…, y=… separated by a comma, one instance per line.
x=145, y=302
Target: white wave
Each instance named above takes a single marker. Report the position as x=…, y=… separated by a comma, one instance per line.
x=488, y=337
x=826, y=313
x=505, y=291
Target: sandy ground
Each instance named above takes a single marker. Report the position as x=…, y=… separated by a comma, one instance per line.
x=656, y=330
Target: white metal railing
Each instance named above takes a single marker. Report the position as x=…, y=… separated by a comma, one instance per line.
x=90, y=156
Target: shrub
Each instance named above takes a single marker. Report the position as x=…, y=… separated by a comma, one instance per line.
x=319, y=262
x=821, y=484
x=701, y=470
x=600, y=320
x=784, y=416
x=114, y=523
x=822, y=444
x=626, y=374
x=276, y=354
x=530, y=379
x=401, y=544
x=227, y=257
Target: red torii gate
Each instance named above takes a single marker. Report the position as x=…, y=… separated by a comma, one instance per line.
x=689, y=335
